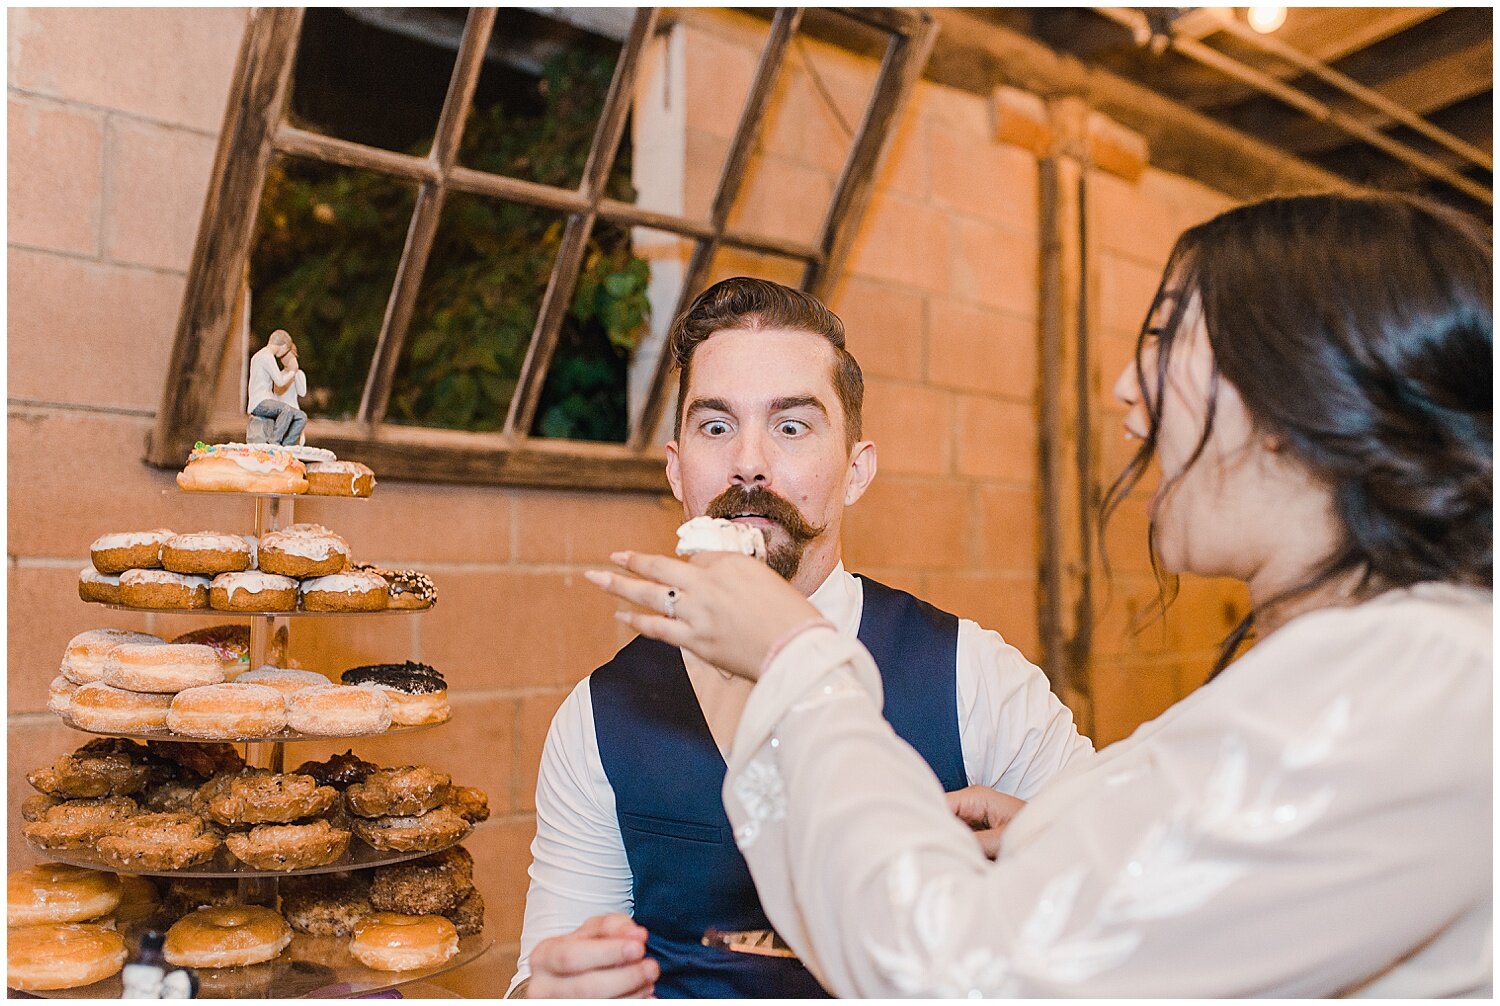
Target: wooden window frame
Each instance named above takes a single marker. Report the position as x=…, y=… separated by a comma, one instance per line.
x=255, y=130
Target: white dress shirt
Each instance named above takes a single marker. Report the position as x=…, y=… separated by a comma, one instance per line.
x=1014, y=733
x=1314, y=822
x=266, y=374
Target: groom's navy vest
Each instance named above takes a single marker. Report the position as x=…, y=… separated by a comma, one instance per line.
x=667, y=774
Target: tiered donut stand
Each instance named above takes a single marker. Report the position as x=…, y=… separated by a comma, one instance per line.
x=313, y=966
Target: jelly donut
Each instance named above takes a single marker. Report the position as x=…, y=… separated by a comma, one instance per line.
x=227, y=711
x=285, y=680
x=338, y=711
x=106, y=709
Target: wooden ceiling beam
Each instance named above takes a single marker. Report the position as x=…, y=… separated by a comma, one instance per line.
x=976, y=55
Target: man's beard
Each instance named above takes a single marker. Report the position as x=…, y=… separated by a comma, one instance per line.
x=784, y=558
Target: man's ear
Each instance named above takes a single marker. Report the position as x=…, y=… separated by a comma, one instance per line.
x=862, y=465
x=674, y=470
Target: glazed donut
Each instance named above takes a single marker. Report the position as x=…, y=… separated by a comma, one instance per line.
x=150, y=842
x=230, y=642
x=404, y=791
x=338, y=771
x=261, y=797
x=227, y=937
x=288, y=846
x=57, y=892
x=206, y=553
x=100, y=768
x=160, y=588
x=83, y=660
x=432, y=885
x=327, y=905
x=139, y=901
x=62, y=956
x=107, y=709
x=303, y=550
x=242, y=468
x=338, y=711
x=98, y=588
x=346, y=592
x=60, y=695
x=418, y=693
x=162, y=667
x=252, y=591
x=35, y=806
x=169, y=797
x=285, y=680
x=469, y=802
x=386, y=941
x=77, y=824
x=227, y=711
x=436, y=829
x=339, y=478
x=115, y=553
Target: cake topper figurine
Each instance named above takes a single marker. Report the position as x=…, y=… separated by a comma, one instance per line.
x=276, y=382
x=149, y=976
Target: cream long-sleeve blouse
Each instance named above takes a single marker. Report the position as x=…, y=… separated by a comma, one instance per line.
x=1316, y=821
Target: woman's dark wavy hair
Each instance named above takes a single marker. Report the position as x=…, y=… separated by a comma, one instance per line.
x=1356, y=327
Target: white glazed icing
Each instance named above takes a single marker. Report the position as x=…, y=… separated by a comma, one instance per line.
x=130, y=539
x=131, y=576
x=344, y=583
x=252, y=582
x=315, y=545
x=209, y=541
x=91, y=575
x=713, y=534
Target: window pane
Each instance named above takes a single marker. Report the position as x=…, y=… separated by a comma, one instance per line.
x=538, y=101
x=373, y=75
x=328, y=240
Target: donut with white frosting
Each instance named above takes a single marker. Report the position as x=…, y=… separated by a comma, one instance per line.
x=339, y=478
x=303, y=550
x=206, y=553
x=97, y=587
x=714, y=534
x=122, y=550
x=353, y=591
x=252, y=590
x=160, y=588
x=243, y=468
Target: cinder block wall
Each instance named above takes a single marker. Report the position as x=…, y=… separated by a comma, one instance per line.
x=114, y=116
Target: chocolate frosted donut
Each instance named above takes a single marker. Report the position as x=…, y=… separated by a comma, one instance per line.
x=409, y=589
x=339, y=771
x=410, y=677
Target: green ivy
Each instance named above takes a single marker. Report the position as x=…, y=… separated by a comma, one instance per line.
x=329, y=242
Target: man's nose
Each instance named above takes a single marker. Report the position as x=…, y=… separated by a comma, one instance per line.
x=751, y=466
x=1127, y=389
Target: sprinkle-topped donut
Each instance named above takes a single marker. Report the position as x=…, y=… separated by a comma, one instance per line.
x=409, y=589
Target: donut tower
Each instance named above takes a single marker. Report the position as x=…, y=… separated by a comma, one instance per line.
x=320, y=966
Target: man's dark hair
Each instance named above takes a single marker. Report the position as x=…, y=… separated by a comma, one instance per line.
x=758, y=305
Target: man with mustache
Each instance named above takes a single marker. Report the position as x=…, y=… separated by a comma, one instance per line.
x=634, y=860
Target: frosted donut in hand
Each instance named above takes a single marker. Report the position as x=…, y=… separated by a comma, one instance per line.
x=57, y=892
x=227, y=937
x=115, y=553
x=713, y=534
x=62, y=956
x=206, y=553
x=227, y=711
x=387, y=941
x=252, y=590
x=339, y=478
x=345, y=592
x=162, y=667
x=160, y=588
x=107, y=709
x=303, y=550
x=83, y=659
x=98, y=588
x=338, y=711
x=242, y=468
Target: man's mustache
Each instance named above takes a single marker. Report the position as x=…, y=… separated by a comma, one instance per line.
x=738, y=500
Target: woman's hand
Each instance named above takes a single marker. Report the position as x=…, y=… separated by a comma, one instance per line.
x=728, y=609
x=987, y=811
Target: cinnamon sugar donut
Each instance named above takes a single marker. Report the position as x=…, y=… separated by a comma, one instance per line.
x=160, y=588
x=107, y=709
x=303, y=550
x=254, y=590
x=432, y=885
x=227, y=937
x=83, y=660
x=227, y=711
x=346, y=592
x=57, y=892
x=288, y=846
x=326, y=905
x=468, y=916
x=386, y=941
x=206, y=553
x=338, y=711
x=339, y=478
x=98, y=588
x=162, y=667
x=115, y=553
x=62, y=956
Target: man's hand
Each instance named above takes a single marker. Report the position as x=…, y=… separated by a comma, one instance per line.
x=605, y=958
x=987, y=811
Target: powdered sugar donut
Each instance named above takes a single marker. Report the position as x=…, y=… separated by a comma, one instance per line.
x=338, y=711
x=160, y=588
x=253, y=590
x=285, y=680
x=345, y=592
x=165, y=667
x=105, y=708
x=60, y=695
x=83, y=660
x=206, y=553
x=97, y=587
x=115, y=553
x=303, y=550
x=227, y=711
x=245, y=468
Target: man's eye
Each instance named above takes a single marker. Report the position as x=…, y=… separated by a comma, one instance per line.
x=791, y=427
x=716, y=428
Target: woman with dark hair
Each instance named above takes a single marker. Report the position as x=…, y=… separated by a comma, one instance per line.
x=1315, y=384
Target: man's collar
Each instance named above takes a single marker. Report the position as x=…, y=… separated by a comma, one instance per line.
x=838, y=599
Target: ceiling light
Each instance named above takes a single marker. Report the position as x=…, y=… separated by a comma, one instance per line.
x=1264, y=18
